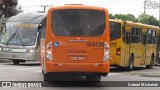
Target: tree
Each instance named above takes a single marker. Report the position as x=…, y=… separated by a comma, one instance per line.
x=128, y=17
x=120, y=16
x=111, y=16
x=148, y=19
x=144, y=18
x=153, y=21
x=19, y=9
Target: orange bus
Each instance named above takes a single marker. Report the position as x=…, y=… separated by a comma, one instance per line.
x=75, y=40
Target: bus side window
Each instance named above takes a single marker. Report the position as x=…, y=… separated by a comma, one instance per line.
x=43, y=28
x=149, y=36
x=154, y=37
x=136, y=35
x=41, y=31
x=158, y=41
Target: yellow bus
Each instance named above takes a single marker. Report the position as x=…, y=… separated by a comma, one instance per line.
x=133, y=44
x=75, y=40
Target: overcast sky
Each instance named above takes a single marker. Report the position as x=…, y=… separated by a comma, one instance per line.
x=135, y=7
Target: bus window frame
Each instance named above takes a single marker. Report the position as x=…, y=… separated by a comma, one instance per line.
x=43, y=28
x=158, y=42
x=124, y=33
x=144, y=38
x=128, y=37
x=120, y=32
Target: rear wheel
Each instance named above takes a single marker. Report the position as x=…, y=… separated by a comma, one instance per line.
x=16, y=62
x=151, y=63
x=130, y=66
x=46, y=78
x=49, y=77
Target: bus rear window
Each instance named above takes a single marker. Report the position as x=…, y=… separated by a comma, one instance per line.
x=115, y=29
x=81, y=22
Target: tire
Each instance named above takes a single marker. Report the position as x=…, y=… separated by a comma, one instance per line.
x=96, y=78
x=151, y=63
x=16, y=62
x=42, y=72
x=46, y=78
x=130, y=64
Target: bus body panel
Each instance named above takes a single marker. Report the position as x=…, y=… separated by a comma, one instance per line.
x=78, y=52
x=137, y=49
x=77, y=67
x=115, y=59
x=20, y=53
x=126, y=54
x=150, y=50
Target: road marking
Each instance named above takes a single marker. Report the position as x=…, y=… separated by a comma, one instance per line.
x=18, y=67
x=112, y=74
x=28, y=68
x=8, y=67
x=38, y=71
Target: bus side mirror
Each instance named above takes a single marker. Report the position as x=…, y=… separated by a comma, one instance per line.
x=39, y=27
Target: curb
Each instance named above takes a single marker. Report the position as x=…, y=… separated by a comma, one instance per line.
x=147, y=74
x=151, y=75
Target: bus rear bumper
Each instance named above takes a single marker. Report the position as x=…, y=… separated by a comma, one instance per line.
x=19, y=56
x=101, y=68
x=58, y=74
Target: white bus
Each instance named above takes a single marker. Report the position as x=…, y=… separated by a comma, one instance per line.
x=19, y=41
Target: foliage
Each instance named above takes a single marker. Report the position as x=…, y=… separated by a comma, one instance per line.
x=143, y=18
x=147, y=19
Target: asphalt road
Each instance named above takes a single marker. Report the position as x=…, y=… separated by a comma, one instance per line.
x=31, y=71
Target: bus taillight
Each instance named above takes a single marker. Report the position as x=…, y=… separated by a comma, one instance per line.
x=49, y=51
x=118, y=51
x=106, y=51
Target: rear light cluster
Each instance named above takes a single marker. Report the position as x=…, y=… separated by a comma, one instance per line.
x=118, y=51
x=106, y=52
x=49, y=51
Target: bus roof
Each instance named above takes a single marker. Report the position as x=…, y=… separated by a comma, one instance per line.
x=116, y=20
x=141, y=25
x=26, y=17
x=134, y=23
x=77, y=6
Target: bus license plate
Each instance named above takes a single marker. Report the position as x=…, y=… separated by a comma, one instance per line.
x=78, y=58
